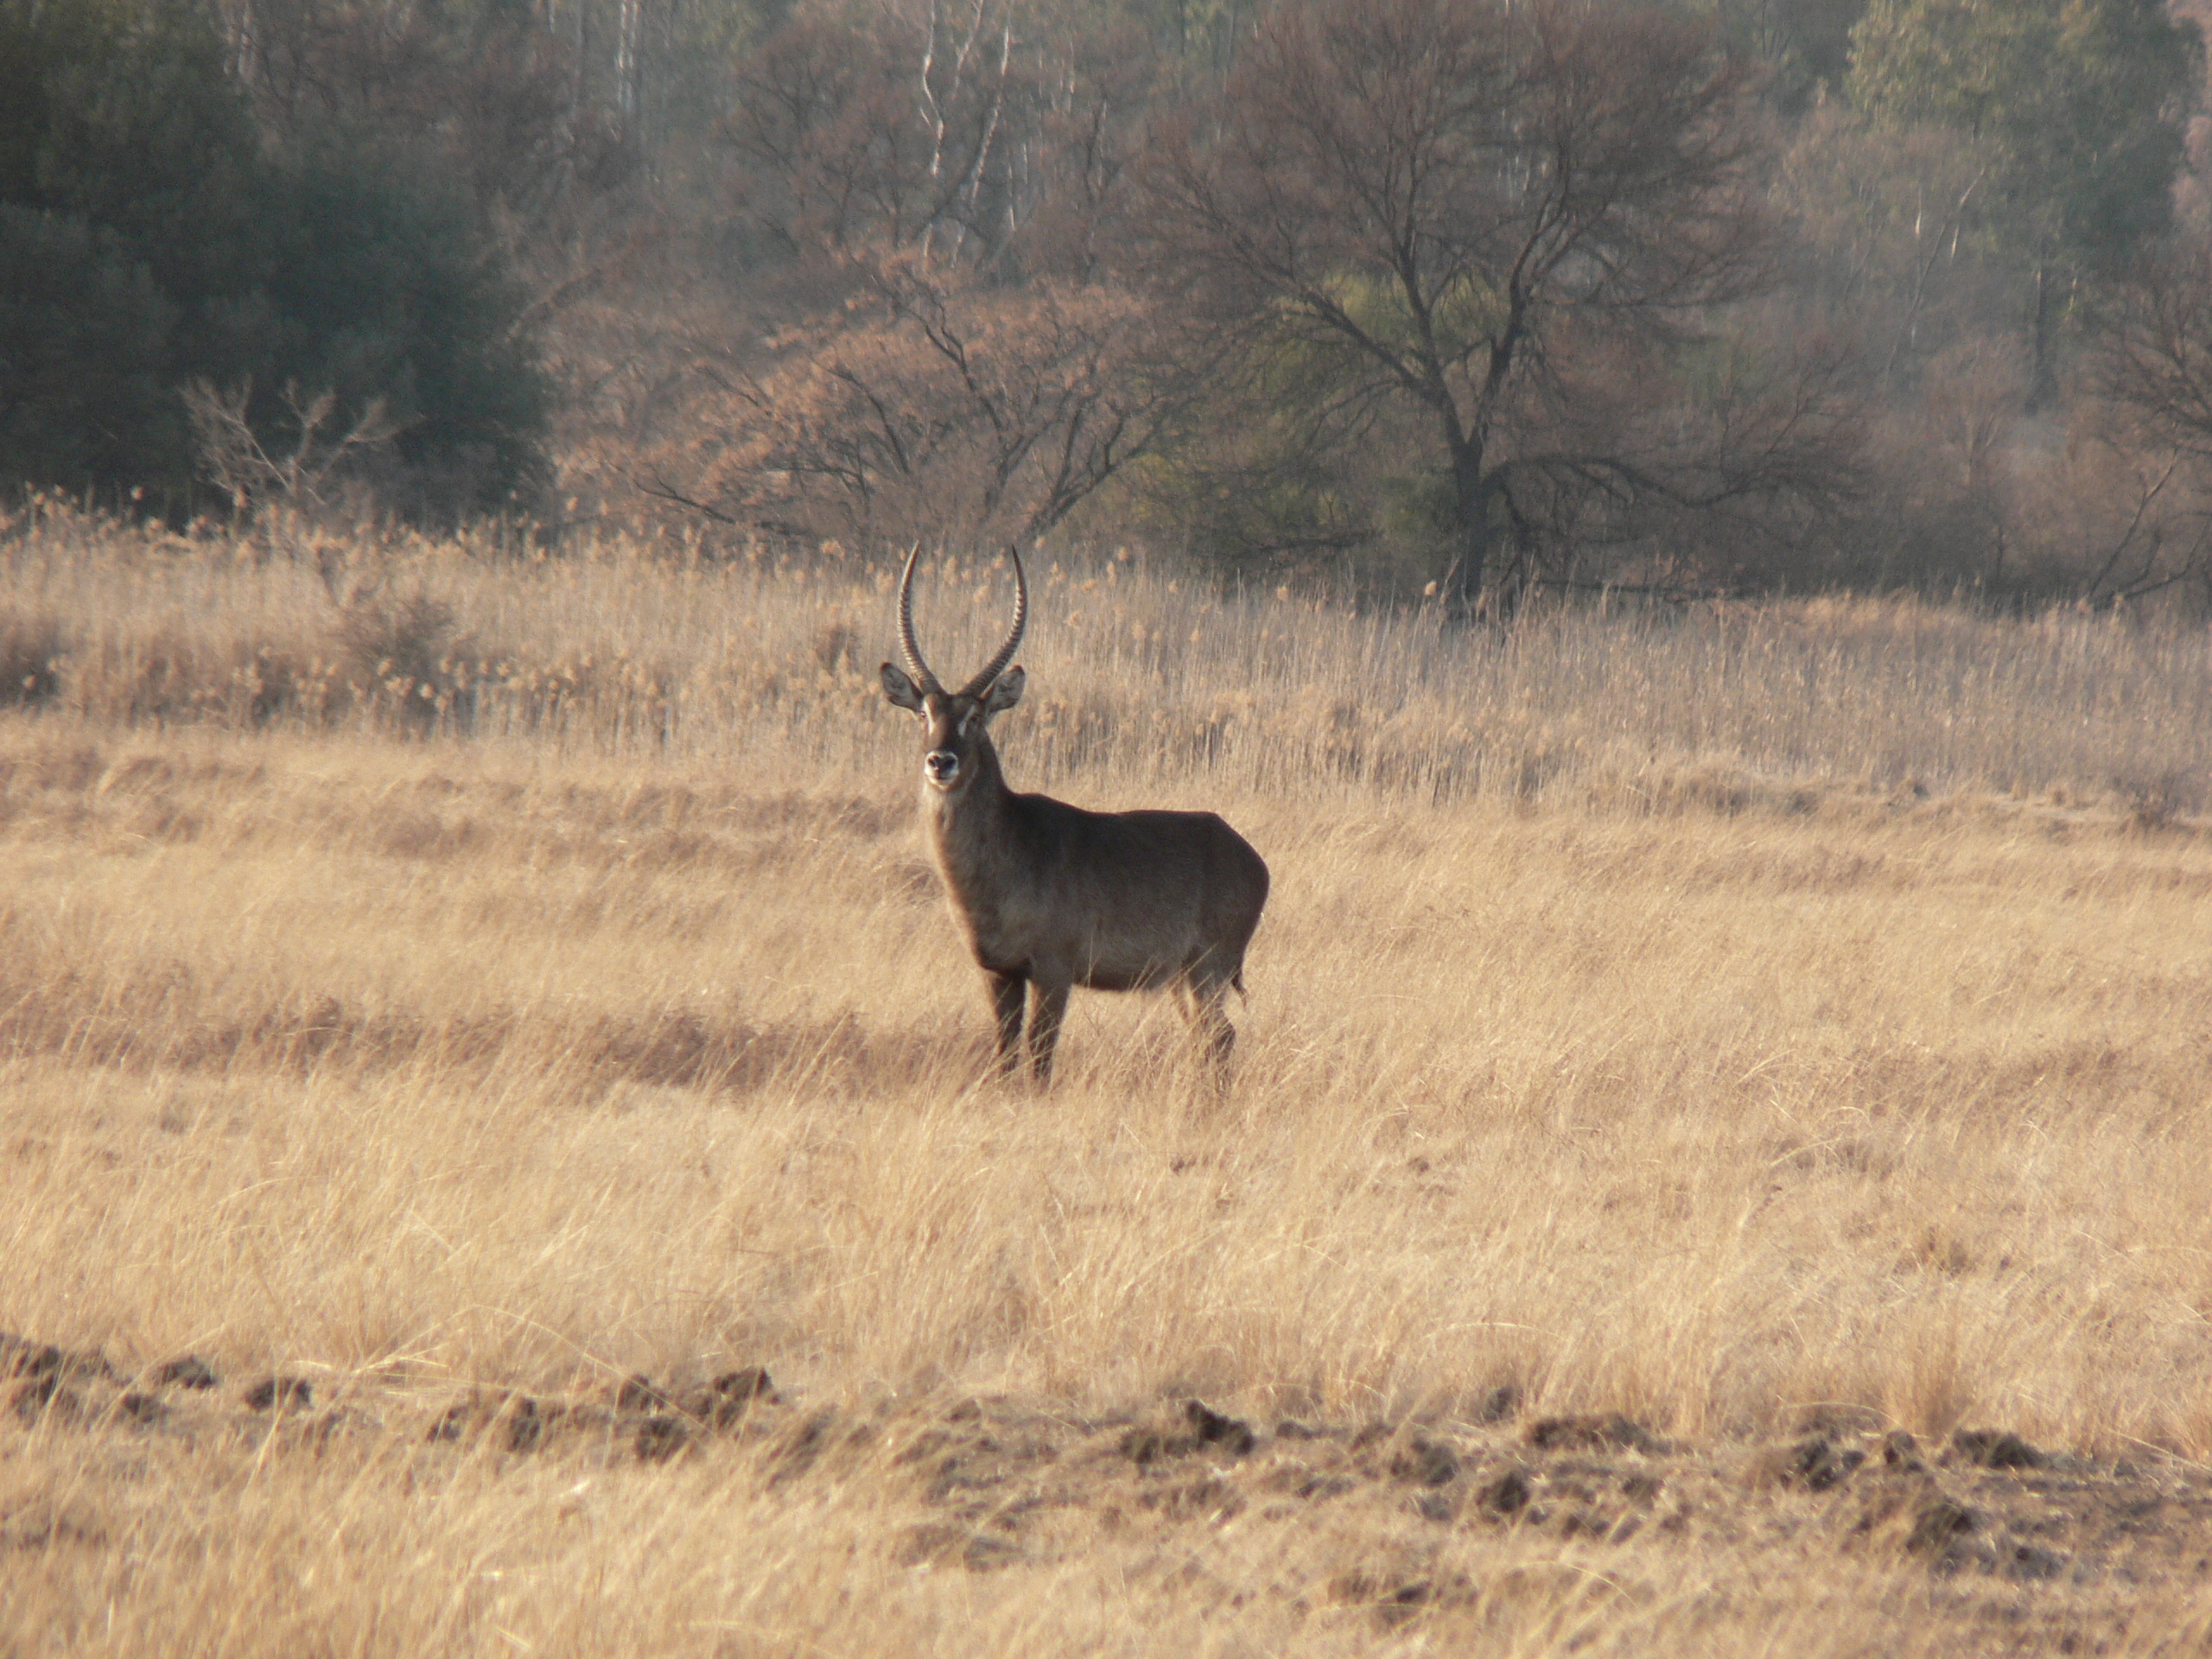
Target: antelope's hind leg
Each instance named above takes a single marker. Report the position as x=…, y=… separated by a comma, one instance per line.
x=1049, y=1007
x=1006, y=991
x=1207, y=1009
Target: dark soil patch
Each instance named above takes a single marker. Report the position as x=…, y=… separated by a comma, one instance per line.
x=1594, y=1434
x=1938, y=1529
x=142, y=1408
x=638, y=1394
x=1508, y=1495
x=733, y=1393
x=21, y=1357
x=660, y=1438
x=1819, y=1462
x=45, y=1399
x=1995, y=1449
x=651, y=1421
x=1425, y=1463
x=1214, y=1428
x=294, y=1392
x=187, y=1372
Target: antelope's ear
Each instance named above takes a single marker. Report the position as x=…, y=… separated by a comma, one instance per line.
x=900, y=690
x=1006, y=691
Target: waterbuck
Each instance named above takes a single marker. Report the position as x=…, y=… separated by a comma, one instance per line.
x=1050, y=896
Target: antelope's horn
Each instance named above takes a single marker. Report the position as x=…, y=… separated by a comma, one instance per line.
x=996, y=666
x=911, y=652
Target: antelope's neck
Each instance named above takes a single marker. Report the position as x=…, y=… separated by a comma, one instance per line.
x=965, y=829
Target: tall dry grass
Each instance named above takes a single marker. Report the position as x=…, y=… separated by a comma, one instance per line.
x=1706, y=1019
x=625, y=648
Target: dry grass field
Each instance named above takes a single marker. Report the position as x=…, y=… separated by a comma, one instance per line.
x=1720, y=1160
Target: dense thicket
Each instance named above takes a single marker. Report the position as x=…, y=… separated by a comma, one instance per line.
x=154, y=234
x=1446, y=296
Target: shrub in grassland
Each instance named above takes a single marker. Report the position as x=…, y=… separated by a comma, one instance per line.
x=401, y=655
x=31, y=648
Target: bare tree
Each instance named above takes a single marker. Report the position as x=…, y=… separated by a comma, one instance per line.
x=2153, y=366
x=954, y=409
x=1500, y=220
x=901, y=132
x=2157, y=356
x=945, y=352
x=302, y=478
x=395, y=641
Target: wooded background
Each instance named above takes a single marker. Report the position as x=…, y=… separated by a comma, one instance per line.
x=1447, y=299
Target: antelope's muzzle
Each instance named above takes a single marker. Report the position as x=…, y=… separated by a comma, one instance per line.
x=941, y=766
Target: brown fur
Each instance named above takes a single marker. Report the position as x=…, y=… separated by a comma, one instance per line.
x=1050, y=896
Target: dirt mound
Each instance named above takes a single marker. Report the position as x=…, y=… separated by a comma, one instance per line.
x=1008, y=1485
x=653, y=1422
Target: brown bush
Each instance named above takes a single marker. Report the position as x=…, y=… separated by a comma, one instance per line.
x=31, y=648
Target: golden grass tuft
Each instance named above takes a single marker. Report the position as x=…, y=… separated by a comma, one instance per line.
x=1725, y=1022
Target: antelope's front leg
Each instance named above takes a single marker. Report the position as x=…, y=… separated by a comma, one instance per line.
x=1044, y=1028
x=1006, y=991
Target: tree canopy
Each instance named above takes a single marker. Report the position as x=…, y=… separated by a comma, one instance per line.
x=2079, y=106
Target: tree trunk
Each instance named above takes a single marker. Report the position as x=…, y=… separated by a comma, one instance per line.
x=2042, y=381
x=1470, y=531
